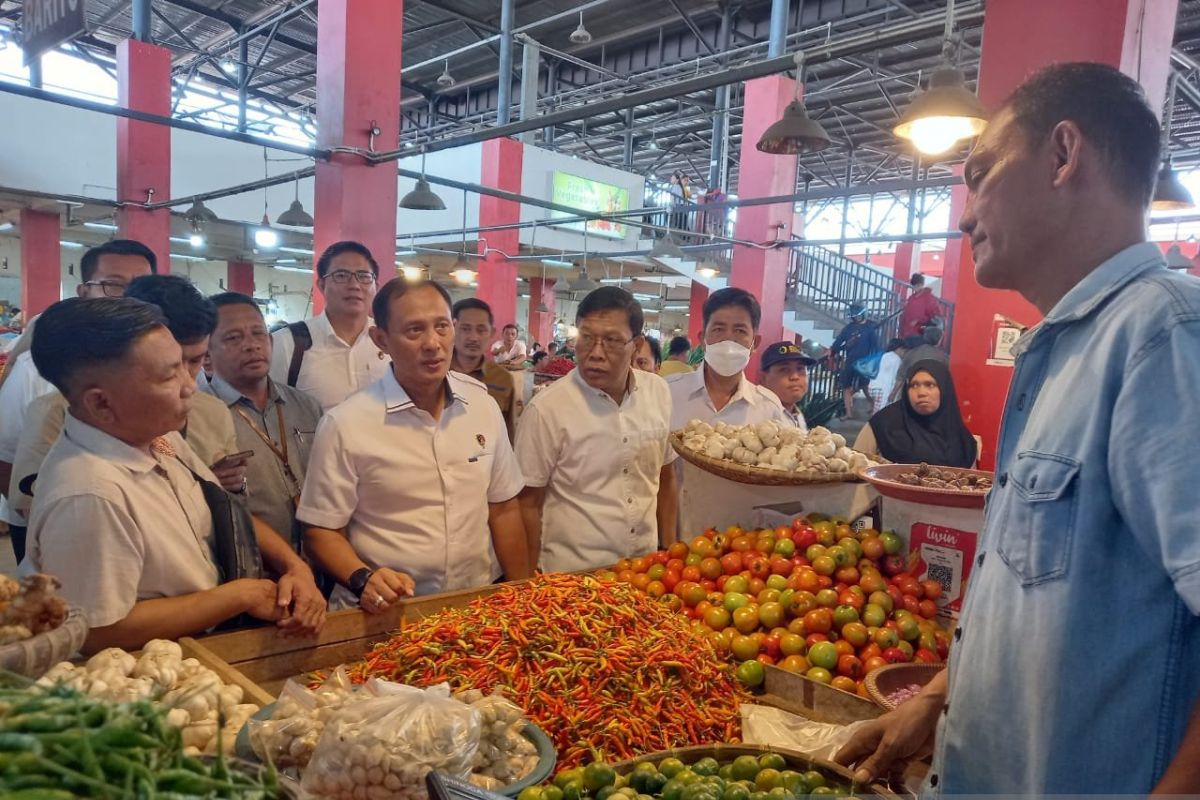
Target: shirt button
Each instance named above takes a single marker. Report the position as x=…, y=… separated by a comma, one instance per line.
x=625, y=471
x=945, y=709
x=625, y=439
x=958, y=633
x=979, y=561
x=629, y=500
x=1021, y=402
x=933, y=779
x=1003, y=479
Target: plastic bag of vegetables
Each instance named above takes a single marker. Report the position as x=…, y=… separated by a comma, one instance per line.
x=290, y=736
x=384, y=746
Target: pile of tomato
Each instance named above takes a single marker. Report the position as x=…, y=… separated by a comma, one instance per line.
x=815, y=598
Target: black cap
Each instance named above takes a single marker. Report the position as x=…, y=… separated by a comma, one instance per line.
x=784, y=351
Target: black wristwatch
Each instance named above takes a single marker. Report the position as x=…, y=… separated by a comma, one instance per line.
x=358, y=580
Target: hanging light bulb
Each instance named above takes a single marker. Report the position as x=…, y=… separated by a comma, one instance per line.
x=296, y=216
x=199, y=213
x=422, y=198
x=196, y=237
x=795, y=132
x=581, y=35
x=412, y=273
x=264, y=236
x=446, y=80
x=1169, y=192
x=946, y=112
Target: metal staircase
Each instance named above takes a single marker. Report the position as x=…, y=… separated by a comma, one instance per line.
x=823, y=284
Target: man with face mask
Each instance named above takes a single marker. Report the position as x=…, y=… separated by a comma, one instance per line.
x=719, y=392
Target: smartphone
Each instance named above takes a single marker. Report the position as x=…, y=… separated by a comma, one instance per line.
x=225, y=461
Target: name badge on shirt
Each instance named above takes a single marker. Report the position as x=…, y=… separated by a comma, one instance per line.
x=481, y=440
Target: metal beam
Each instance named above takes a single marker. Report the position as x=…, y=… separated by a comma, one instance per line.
x=687, y=20
x=459, y=15
x=778, y=28
x=142, y=28
x=504, y=87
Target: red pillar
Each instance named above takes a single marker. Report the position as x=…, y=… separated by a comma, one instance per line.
x=358, y=79
x=764, y=272
x=907, y=261
x=502, y=159
x=240, y=277
x=541, y=323
x=1019, y=37
x=696, y=313
x=144, y=148
x=41, y=261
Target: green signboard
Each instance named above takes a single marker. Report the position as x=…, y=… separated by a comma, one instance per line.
x=589, y=195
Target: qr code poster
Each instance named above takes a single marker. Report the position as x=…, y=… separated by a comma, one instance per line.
x=944, y=555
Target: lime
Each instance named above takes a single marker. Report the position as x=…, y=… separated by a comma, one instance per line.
x=551, y=792
x=566, y=776
x=644, y=797
x=822, y=790
x=604, y=793
x=628, y=791
x=751, y=673
x=672, y=790
x=573, y=791
x=706, y=766
x=653, y=783
x=772, y=761
x=794, y=782
x=780, y=793
x=735, y=791
x=745, y=768
x=814, y=779
x=726, y=772
x=759, y=796
x=670, y=767
x=698, y=791
x=530, y=793
x=686, y=777
x=598, y=775
x=767, y=779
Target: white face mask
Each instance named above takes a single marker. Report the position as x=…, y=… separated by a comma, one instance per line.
x=727, y=358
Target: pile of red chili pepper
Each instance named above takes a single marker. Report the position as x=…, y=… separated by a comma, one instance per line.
x=596, y=664
x=556, y=366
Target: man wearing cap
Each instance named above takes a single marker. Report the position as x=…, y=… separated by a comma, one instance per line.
x=784, y=370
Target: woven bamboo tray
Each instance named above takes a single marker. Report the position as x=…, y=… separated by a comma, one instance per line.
x=725, y=753
x=885, y=680
x=758, y=476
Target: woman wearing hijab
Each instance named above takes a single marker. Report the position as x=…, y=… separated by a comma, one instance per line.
x=925, y=426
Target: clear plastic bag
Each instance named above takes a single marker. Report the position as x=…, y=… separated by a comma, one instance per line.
x=290, y=736
x=767, y=725
x=383, y=746
x=504, y=755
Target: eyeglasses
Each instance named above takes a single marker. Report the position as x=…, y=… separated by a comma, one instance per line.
x=342, y=276
x=110, y=288
x=612, y=344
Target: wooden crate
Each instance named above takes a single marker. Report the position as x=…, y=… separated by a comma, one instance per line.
x=266, y=660
x=814, y=700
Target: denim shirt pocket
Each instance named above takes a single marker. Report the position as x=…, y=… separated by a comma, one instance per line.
x=1038, y=530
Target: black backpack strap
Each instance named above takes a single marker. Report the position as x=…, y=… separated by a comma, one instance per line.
x=303, y=341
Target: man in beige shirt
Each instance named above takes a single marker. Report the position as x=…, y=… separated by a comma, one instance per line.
x=209, y=430
x=473, y=328
x=121, y=517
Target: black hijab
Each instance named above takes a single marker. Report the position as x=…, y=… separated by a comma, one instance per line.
x=905, y=436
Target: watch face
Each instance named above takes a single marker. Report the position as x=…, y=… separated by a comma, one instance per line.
x=358, y=581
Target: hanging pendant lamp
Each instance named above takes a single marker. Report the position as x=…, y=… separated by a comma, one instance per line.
x=795, y=132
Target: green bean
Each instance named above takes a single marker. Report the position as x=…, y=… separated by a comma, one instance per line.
x=19, y=743
x=40, y=793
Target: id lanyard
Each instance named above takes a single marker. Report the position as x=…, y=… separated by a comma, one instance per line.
x=280, y=450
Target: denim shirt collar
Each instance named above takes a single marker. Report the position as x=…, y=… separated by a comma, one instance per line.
x=1096, y=288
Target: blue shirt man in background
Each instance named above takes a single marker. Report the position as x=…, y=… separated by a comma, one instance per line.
x=858, y=339
x=1074, y=668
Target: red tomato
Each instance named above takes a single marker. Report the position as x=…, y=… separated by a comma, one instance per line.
x=766, y=660
x=872, y=664
x=772, y=646
x=912, y=604
x=784, y=532
x=894, y=655
x=813, y=638
x=731, y=563
x=852, y=599
x=756, y=586
x=710, y=568
x=709, y=586
x=850, y=666
x=847, y=575
x=870, y=651
x=819, y=620
x=660, y=557
x=804, y=539
x=931, y=589
x=926, y=656
x=825, y=581
x=927, y=609
x=781, y=566
x=691, y=574
x=676, y=564
x=671, y=579
x=844, y=648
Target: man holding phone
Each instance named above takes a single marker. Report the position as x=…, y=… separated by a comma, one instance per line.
x=275, y=423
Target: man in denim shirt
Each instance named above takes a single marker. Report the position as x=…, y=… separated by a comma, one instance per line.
x=1076, y=664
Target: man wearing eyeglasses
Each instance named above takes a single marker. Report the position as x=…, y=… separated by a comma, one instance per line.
x=104, y=271
x=594, y=448
x=331, y=356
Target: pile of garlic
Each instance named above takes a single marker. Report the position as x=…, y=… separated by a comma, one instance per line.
x=196, y=696
x=290, y=736
x=504, y=756
x=775, y=446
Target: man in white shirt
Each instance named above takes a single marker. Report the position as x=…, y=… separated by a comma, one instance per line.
x=412, y=484
x=719, y=392
x=104, y=271
x=594, y=448
x=121, y=517
x=784, y=370
x=510, y=349
x=331, y=356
